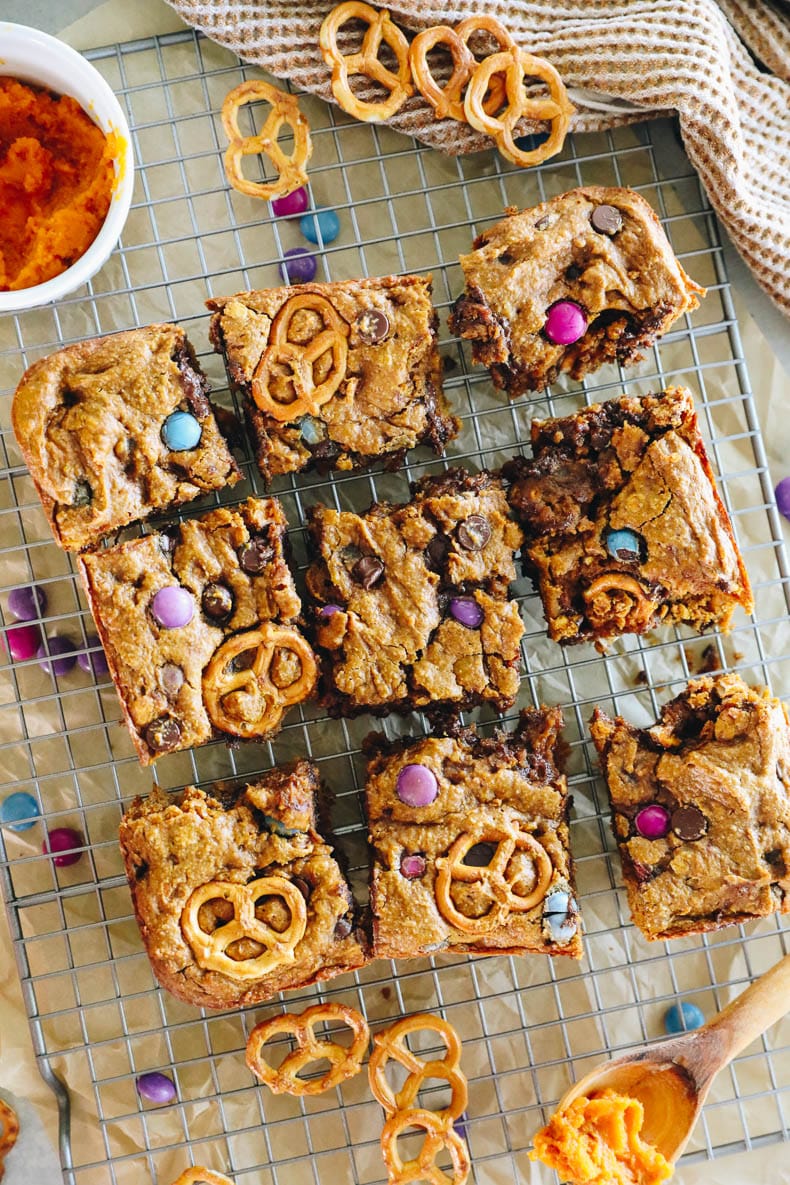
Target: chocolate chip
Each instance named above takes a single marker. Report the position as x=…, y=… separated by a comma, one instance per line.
x=607, y=220
x=479, y=855
x=83, y=494
x=368, y=571
x=373, y=326
x=474, y=532
x=573, y=272
x=505, y=258
x=217, y=601
x=437, y=550
x=163, y=734
x=255, y=555
x=301, y=884
x=344, y=927
x=171, y=678
x=689, y=823
x=542, y=223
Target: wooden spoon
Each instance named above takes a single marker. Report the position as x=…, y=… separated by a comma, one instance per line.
x=672, y=1078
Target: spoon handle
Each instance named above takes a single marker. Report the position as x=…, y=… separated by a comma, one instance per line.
x=749, y=1015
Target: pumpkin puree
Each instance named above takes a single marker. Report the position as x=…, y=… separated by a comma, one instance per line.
x=596, y=1142
x=56, y=183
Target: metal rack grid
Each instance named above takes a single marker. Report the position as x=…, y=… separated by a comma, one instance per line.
x=529, y=1026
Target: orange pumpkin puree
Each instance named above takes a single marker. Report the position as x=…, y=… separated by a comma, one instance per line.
x=596, y=1142
x=56, y=183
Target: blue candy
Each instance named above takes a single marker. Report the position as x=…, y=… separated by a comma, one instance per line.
x=679, y=1018
x=320, y=225
x=19, y=811
x=278, y=828
x=624, y=544
x=181, y=431
x=557, y=907
x=313, y=431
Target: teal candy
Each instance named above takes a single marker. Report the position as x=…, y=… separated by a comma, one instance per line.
x=18, y=807
x=624, y=540
x=680, y=1018
x=181, y=432
x=322, y=220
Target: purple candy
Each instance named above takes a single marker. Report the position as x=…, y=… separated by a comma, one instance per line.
x=50, y=650
x=22, y=641
x=565, y=323
x=292, y=204
x=63, y=841
x=652, y=822
x=412, y=867
x=28, y=603
x=299, y=266
x=416, y=785
x=467, y=611
x=93, y=661
x=155, y=1087
x=329, y=610
x=172, y=607
x=782, y=493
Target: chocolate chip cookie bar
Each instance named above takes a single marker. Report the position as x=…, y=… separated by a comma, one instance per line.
x=116, y=429
x=199, y=625
x=624, y=526
x=701, y=807
x=470, y=843
x=583, y=279
x=335, y=376
x=411, y=605
x=236, y=893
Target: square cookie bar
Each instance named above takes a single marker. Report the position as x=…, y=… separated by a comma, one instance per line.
x=470, y=843
x=336, y=376
x=624, y=527
x=412, y=606
x=237, y=895
x=199, y=627
x=701, y=807
x=116, y=429
x=583, y=279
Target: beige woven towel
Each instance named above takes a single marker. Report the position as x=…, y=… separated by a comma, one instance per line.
x=723, y=67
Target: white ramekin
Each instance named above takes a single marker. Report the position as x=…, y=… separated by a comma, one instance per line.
x=33, y=56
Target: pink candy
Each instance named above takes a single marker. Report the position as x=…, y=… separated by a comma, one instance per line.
x=22, y=641
x=61, y=842
x=416, y=785
x=292, y=204
x=652, y=822
x=565, y=323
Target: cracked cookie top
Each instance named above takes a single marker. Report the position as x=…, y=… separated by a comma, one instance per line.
x=624, y=526
x=412, y=601
x=117, y=428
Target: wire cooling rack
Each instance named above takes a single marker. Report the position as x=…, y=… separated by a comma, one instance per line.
x=529, y=1025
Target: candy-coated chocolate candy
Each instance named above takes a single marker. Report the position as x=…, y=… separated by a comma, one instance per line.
x=320, y=226
x=27, y=603
x=22, y=641
x=416, y=785
x=56, y=655
x=298, y=266
x=255, y=555
x=181, y=432
x=467, y=611
x=93, y=660
x=565, y=323
x=171, y=678
x=329, y=610
x=312, y=431
x=61, y=843
x=559, y=910
x=172, y=607
x=652, y=822
x=155, y=1087
x=782, y=493
x=412, y=867
x=624, y=544
x=19, y=811
x=292, y=204
x=679, y=1018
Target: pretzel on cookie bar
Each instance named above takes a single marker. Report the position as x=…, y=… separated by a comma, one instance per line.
x=285, y=110
x=367, y=61
x=300, y=360
x=343, y=1062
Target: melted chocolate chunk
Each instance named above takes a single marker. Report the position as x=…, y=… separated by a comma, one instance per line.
x=368, y=571
x=607, y=220
x=217, y=601
x=474, y=532
x=344, y=927
x=255, y=555
x=689, y=823
x=163, y=734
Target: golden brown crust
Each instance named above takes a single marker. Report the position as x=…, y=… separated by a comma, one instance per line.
x=720, y=754
x=88, y=420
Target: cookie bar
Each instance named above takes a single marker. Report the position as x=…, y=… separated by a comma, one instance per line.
x=701, y=807
x=199, y=627
x=412, y=601
x=583, y=279
x=237, y=896
x=116, y=429
x=336, y=376
x=624, y=526
x=470, y=843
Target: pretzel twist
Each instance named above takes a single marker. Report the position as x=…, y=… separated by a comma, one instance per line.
x=10, y=1132
x=285, y=110
x=366, y=61
x=211, y=949
x=438, y=1135
x=614, y=583
x=198, y=1175
x=249, y=702
x=447, y=101
x=300, y=359
x=391, y=1045
x=517, y=65
x=494, y=876
x=343, y=1062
